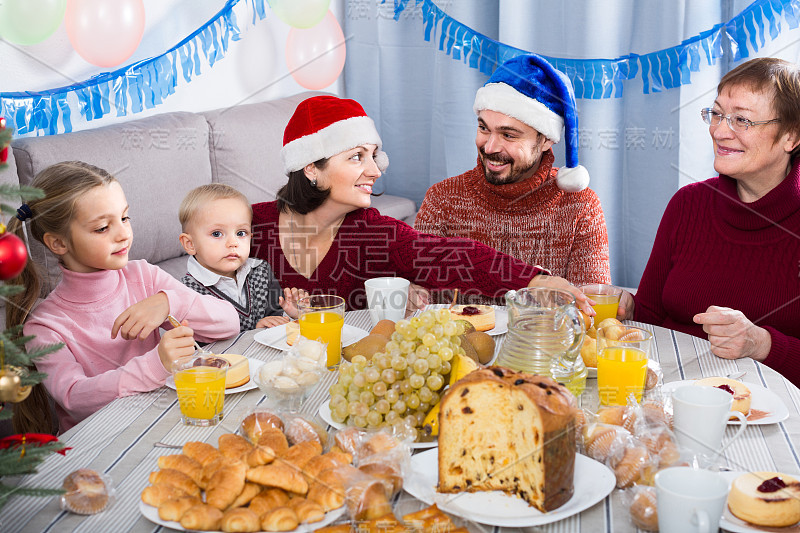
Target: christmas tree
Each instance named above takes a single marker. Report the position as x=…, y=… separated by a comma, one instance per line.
x=19, y=454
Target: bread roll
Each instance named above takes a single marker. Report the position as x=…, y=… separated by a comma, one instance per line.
x=173, y=510
x=185, y=464
x=202, y=517
x=240, y=520
x=280, y=519
x=177, y=478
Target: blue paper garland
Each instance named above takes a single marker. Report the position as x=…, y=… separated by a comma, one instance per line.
x=603, y=78
x=133, y=88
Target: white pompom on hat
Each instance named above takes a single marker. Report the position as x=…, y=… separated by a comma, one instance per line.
x=530, y=90
x=323, y=126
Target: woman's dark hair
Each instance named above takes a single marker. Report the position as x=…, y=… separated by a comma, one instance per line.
x=299, y=195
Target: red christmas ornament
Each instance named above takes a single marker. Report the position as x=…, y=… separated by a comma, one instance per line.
x=13, y=256
x=29, y=438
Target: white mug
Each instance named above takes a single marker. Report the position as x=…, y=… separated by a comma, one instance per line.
x=690, y=500
x=700, y=417
x=387, y=298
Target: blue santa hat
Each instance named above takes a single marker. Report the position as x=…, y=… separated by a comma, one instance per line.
x=530, y=90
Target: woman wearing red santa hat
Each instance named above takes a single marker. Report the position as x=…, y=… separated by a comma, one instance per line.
x=322, y=236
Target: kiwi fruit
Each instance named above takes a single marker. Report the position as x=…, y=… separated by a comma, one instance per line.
x=384, y=327
x=483, y=343
x=368, y=346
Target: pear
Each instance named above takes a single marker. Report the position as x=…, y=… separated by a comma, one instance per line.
x=368, y=346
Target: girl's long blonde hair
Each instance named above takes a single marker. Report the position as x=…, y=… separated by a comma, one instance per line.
x=63, y=184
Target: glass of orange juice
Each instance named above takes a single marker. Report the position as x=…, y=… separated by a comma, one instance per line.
x=322, y=319
x=622, y=353
x=606, y=298
x=200, y=384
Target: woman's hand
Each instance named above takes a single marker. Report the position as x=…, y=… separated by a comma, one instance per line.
x=732, y=335
x=272, y=321
x=288, y=303
x=418, y=298
x=142, y=318
x=176, y=343
x=626, y=306
x=555, y=282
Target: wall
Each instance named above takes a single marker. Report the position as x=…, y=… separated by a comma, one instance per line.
x=253, y=70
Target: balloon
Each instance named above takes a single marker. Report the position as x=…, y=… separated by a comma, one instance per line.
x=30, y=21
x=315, y=57
x=105, y=32
x=300, y=13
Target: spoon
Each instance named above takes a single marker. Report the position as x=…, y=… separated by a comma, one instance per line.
x=736, y=375
x=175, y=323
x=163, y=445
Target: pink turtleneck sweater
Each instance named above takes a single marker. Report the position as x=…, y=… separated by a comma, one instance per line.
x=713, y=249
x=531, y=220
x=92, y=369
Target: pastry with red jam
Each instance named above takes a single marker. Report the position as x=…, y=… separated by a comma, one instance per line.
x=739, y=391
x=768, y=499
x=480, y=316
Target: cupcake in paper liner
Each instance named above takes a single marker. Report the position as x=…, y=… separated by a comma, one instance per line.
x=87, y=492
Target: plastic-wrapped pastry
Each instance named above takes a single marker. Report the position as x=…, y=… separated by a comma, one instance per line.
x=349, y=439
x=87, y=492
x=298, y=430
x=644, y=511
x=256, y=423
x=240, y=520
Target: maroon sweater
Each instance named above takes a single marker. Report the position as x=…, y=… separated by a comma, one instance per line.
x=713, y=249
x=370, y=245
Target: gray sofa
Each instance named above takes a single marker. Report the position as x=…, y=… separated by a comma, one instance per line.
x=160, y=158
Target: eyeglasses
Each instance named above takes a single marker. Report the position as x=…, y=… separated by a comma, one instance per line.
x=735, y=122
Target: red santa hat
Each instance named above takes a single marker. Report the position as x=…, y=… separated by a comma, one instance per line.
x=323, y=126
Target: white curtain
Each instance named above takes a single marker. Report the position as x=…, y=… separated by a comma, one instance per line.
x=639, y=149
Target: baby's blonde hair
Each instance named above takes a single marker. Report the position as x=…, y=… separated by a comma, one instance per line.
x=199, y=196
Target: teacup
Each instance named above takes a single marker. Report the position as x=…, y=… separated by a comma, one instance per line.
x=700, y=417
x=690, y=500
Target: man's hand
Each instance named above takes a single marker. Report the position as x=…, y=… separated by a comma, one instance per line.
x=175, y=343
x=732, y=335
x=272, y=321
x=289, y=303
x=555, y=282
x=142, y=318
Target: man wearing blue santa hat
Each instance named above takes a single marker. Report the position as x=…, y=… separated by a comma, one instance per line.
x=514, y=199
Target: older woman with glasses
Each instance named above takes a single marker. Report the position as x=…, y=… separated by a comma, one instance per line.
x=726, y=259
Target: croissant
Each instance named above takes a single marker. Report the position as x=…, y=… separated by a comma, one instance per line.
x=366, y=499
x=173, y=510
x=259, y=455
x=202, y=517
x=202, y=452
x=278, y=475
x=338, y=528
x=216, y=464
x=170, y=476
x=267, y=500
x=317, y=464
x=256, y=423
x=307, y=511
x=181, y=462
x=249, y=492
x=275, y=439
x=240, y=520
x=299, y=454
x=159, y=493
x=280, y=519
x=343, y=458
x=328, y=497
x=234, y=446
x=225, y=485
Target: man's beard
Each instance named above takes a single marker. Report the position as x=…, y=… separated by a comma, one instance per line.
x=515, y=173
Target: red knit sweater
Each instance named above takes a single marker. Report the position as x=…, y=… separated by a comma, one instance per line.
x=370, y=245
x=532, y=220
x=712, y=249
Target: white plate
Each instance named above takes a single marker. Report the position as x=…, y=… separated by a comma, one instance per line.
x=151, y=513
x=325, y=413
x=593, y=482
x=500, y=321
x=729, y=522
x=761, y=399
x=592, y=372
x=254, y=364
x=276, y=337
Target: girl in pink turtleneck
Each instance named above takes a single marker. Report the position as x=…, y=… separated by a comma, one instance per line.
x=106, y=310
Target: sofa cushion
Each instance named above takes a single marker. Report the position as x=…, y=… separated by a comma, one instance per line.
x=156, y=159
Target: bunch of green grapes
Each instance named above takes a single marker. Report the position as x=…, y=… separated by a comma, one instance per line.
x=399, y=386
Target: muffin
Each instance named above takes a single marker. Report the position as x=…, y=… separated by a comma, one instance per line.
x=87, y=492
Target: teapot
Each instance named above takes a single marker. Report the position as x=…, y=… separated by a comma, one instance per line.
x=545, y=335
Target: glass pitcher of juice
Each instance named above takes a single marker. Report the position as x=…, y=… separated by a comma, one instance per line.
x=545, y=335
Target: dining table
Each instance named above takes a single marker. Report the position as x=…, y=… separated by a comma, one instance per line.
x=120, y=440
